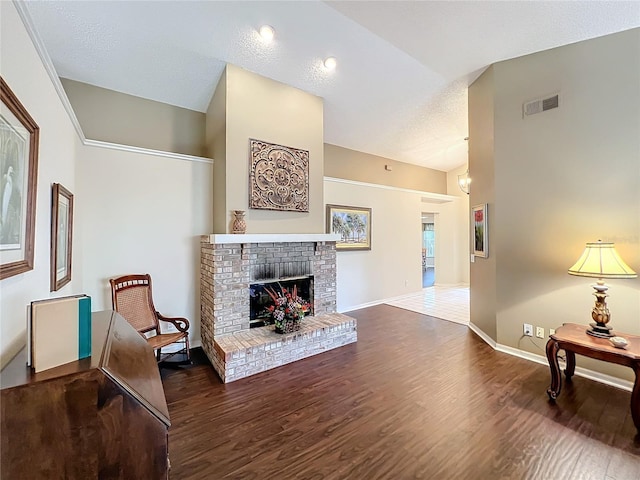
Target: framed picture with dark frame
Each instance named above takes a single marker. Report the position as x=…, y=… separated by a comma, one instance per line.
x=19, y=139
x=480, y=230
x=61, y=236
x=353, y=224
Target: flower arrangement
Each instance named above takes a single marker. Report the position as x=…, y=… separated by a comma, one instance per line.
x=288, y=309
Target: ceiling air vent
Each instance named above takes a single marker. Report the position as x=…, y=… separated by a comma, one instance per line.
x=541, y=105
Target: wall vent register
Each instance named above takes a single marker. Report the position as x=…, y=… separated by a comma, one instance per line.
x=540, y=105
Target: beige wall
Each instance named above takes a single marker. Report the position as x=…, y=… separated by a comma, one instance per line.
x=23, y=71
x=482, y=275
x=562, y=178
x=216, y=147
x=340, y=162
x=116, y=117
x=461, y=219
x=264, y=109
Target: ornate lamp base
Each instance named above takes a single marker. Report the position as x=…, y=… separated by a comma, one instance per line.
x=600, y=313
x=600, y=330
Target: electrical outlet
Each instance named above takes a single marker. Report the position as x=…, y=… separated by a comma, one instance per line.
x=540, y=332
x=552, y=331
x=528, y=330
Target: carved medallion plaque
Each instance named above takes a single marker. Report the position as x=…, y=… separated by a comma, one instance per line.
x=279, y=177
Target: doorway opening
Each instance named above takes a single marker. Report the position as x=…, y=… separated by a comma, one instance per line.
x=428, y=250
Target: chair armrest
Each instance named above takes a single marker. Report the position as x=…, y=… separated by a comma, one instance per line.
x=182, y=324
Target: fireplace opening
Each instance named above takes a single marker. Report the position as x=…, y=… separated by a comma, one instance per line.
x=260, y=300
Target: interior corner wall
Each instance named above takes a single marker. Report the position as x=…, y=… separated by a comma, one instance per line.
x=25, y=74
x=216, y=147
x=393, y=266
x=340, y=162
x=266, y=110
x=115, y=117
x=482, y=274
x=145, y=214
x=565, y=177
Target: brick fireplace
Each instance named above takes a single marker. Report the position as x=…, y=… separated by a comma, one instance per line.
x=230, y=264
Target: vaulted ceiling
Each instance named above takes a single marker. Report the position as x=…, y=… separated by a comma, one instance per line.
x=400, y=86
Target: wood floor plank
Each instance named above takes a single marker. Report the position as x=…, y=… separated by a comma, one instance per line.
x=415, y=398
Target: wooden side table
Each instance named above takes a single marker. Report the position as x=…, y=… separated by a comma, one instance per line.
x=573, y=339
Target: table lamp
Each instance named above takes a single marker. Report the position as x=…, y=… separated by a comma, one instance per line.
x=600, y=260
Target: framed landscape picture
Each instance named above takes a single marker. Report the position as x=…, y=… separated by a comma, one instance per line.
x=480, y=230
x=353, y=224
x=19, y=136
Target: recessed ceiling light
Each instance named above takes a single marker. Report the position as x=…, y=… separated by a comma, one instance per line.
x=330, y=63
x=267, y=32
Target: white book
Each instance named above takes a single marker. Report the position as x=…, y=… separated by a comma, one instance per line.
x=60, y=331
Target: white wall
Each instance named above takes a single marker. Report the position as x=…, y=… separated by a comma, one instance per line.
x=144, y=214
x=393, y=266
x=22, y=69
x=133, y=212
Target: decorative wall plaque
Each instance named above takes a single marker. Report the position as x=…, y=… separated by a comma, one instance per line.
x=279, y=177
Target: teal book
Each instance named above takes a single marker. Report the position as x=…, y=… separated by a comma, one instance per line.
x=60, y=331
x=84, y=327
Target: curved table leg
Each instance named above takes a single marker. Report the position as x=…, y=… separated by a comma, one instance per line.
x=556, y=380
x=571, y=365
x=635, y=399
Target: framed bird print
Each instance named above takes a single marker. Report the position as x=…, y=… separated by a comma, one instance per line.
x=61, y=236
x=19, y=136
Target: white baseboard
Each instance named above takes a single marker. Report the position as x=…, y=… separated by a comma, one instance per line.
x=362, y=305
x=534, y=357
x=399, y=297
x=378, y=302
x=486, y=338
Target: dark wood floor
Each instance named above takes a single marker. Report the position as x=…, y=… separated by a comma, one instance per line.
x=416, y=397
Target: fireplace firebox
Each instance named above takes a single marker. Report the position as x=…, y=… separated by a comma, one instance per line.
x=260, y=300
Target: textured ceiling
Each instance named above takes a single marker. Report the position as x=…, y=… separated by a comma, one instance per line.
x=400, y=87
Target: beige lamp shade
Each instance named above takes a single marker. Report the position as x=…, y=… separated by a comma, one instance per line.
x=600, y=260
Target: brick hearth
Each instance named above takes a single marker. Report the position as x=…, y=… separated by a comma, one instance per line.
x=229, y=264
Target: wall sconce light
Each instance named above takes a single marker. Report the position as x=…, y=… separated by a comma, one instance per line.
x=600, y=260
x=463, y=181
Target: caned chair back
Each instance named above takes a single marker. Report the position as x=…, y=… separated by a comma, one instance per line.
x=131, y=298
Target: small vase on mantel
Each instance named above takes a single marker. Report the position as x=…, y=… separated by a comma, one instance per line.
x=239, y=224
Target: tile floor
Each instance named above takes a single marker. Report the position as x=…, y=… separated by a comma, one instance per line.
x=448, y=303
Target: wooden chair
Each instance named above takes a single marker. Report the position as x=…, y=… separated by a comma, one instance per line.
x=131, y=298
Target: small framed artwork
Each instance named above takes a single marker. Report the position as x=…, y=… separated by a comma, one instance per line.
x=19, y=137
x=480, y=231
x=353, y=224
x=61, y=236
